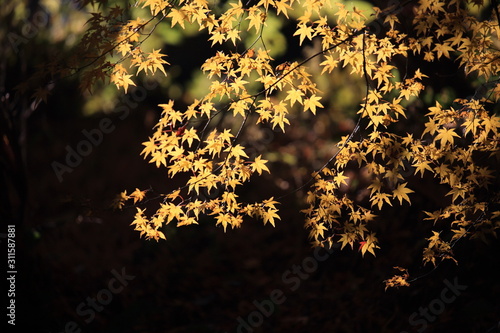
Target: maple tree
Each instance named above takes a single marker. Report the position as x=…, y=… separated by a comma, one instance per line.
x=458, y=145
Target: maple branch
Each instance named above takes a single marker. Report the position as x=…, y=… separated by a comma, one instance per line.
x=349, y=38
x=351, y=135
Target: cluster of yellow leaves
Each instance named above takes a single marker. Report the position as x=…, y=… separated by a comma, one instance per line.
x=452, y=138
x=136, y=196
x=214, y=163
x=458, y=146
x=226, y=210
x=463, y=153
x=331, y=218
x=398, y=280
x=110, y=36
x=446, y=27
x=437, y=248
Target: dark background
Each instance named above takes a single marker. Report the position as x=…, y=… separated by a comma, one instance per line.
x=202, y=280
x=69, y=241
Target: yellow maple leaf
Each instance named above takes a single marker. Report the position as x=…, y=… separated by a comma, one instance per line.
x=443, y=49
x=401, y=192
x=189, y=135
x=159, y=158
x=138, y=195
x=347, y=238
x=259, y=165
x=419, y=75
x=121, y=79
x=269, y=216
x=224, y=220
x=150, y=147
x=459, y=234
x=304, y=31
x=340, y=179
x=318, y=231
x=236, y=151
x=311, y=103
x=178, y=17
x=446, y=135
x=379, y=199
x=120, y=199
x=282, y=7
x=294, y=95
x=421, y=167
x=370, y=244
x=430, y=127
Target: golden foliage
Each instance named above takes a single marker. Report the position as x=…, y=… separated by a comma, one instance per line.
x=256, y=89
x=398, y=280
